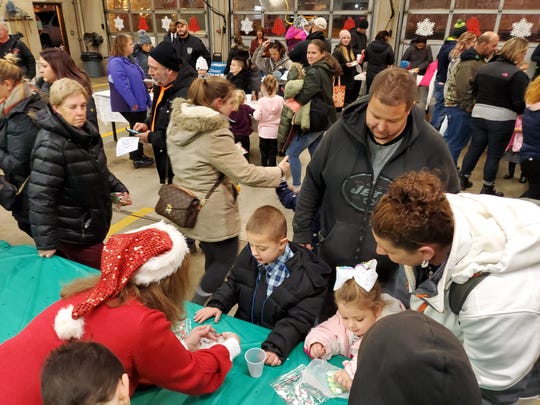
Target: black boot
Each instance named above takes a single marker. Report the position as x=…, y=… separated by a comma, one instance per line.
x=490, y=189
x=465, y=182
x=511, y=171
x=522, y=179
x=143, y=161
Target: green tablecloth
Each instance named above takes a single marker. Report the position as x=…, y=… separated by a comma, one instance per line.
x=29, y=283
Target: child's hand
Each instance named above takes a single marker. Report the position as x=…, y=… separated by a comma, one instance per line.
x=317, y=350
x=208, y=312
x=227, y=335
x=193, y=340
x=272, y=359
x=343, y=379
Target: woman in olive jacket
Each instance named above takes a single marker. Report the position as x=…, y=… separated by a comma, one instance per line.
x=318, y=88
x=70, y=185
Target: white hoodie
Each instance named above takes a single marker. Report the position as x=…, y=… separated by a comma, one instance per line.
x=499, y=324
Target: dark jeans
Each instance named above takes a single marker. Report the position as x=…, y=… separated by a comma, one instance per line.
x=531, y=170
x=218, y=260
x=268, y=148
x=494, y=135
x=458, y=132
x=132, y=117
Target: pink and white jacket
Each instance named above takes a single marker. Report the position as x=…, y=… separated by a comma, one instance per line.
x=268, y=113
x=336, y=339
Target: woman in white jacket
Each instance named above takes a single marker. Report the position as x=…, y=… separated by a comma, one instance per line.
x=446, y=240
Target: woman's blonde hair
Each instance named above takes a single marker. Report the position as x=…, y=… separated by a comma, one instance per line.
x=352, y=293
x=532, y=94
x=119, y=45
x=63, y=88
x=9, y=69
x=465, y=41
x=514, y=47
x=205, y=91
x=167, y=295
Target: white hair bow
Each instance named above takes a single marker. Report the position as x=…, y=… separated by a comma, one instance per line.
x=364, y=275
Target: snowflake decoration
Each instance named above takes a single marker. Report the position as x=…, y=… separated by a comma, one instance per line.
x=521, y=29
x=165, y=22
x=425, y=28
x=247, y=25
x=119, y=23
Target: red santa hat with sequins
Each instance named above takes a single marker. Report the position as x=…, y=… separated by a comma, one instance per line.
x=146, y=255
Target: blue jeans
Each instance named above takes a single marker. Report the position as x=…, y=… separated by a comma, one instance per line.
x=494, y=135
x=298, y=145
x=438, y=113
x=458, y=131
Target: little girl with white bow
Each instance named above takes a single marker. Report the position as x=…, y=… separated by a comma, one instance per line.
x=360, y=303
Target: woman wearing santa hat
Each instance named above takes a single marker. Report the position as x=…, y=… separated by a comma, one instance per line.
x=130, y=309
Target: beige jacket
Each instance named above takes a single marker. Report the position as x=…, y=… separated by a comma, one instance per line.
x=201, y=146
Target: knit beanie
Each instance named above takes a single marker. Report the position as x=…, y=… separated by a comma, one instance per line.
x=166, y=55
x=459, y=28
x=143, y=37
x=320, y=23
x=362, y=23
x=201, y=63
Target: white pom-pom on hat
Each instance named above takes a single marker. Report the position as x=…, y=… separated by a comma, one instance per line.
x=66, y=327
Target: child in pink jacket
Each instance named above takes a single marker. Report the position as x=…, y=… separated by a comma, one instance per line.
x=268, y=113
x=360, y=303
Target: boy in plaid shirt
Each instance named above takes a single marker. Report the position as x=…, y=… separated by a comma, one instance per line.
x=276, y=283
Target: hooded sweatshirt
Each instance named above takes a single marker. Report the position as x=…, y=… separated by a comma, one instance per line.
x=340, y=183
x=499, y=323
x=407, y=358
x=458, y=90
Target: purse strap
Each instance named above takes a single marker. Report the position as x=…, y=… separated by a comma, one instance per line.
x=216, y=184
x=20, y=189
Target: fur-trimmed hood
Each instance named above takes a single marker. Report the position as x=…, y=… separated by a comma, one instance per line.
x=189, y=121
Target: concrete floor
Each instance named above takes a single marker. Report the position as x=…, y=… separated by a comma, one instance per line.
x=143, y=185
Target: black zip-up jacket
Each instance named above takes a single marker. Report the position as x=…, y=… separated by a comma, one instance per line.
x=190, y=48
x=70, y=185
x=339, y=184
x=290, y=311
x=502, y=84
x=162, y=113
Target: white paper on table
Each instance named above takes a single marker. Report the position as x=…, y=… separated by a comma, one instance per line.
x=126, y=144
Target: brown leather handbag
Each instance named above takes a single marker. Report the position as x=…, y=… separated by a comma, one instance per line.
x=180, y=205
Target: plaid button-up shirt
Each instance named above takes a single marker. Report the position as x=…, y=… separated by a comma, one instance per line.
x=277, y=271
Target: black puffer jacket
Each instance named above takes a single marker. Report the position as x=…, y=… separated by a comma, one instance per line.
x=290, y=310
x=379, y=55
x=162, y=112
x=70, y=184
x=17, y=135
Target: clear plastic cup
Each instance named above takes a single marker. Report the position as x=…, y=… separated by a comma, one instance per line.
x=255, y=361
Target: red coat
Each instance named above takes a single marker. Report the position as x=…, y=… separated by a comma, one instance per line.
x=141, y=338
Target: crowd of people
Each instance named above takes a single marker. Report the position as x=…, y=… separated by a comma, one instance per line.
x=380, y=225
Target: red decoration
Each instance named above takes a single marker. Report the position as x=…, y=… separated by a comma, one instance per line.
x=279, y=27
x=473, y=25
x=194, y=24
x=143, y=25
x=349, y=24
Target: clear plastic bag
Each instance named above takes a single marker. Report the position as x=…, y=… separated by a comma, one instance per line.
x=294, y=391
x=320, y=375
